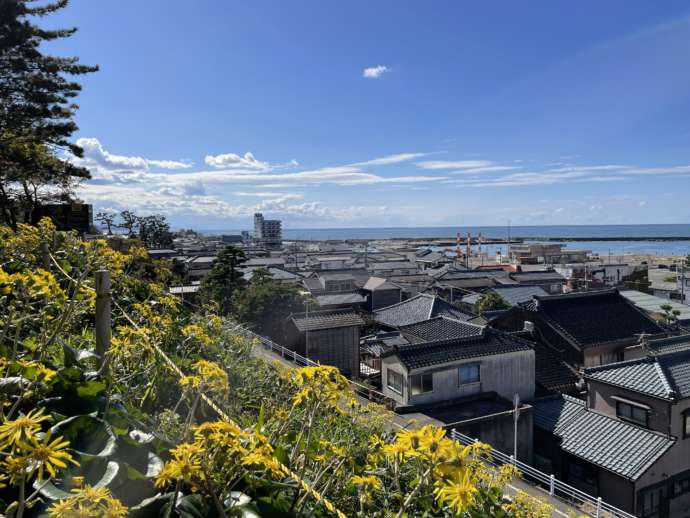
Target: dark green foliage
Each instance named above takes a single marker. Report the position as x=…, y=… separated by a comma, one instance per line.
x=225, y=279
x=129, y=221
x=107, y=219
x=490, y=301
x=265, y=303
x=154, y=231
x=36, y=111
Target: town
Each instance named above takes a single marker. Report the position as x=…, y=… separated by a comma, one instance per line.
x=593, y=356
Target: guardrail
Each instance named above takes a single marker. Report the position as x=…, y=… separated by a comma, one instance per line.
x=588, y=504
x=363, y=390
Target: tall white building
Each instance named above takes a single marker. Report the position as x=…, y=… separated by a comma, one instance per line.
x=268, y=232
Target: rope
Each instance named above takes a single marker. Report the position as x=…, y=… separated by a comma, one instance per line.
x=216, y=408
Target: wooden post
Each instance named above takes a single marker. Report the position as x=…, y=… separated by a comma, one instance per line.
x=45, y=255
x=102, y=317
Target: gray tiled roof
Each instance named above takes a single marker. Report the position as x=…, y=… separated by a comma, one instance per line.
x=665, y=376
x=676, y=366
x=515, y=295
x=340, y=298
x=488, y=343
x=326, y=320
x=604, y=441
x=670, y=344
x=546, y=276
x=642, y=375
x=440, y=328
x=417, y=309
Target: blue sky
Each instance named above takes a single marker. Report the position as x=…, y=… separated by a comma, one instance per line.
x=386, y=113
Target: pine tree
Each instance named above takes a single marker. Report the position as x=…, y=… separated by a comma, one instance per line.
x=225, y=278
x=36, y=112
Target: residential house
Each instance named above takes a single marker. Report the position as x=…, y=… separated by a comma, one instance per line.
x=417, y=309
x=381, y=293
x=466, y=382
x=637, y=414
x=604, y=456
x=330, y=337
x=584, y=329
x=550, y=281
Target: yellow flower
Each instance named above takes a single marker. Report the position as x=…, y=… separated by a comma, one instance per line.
x=366, y=482
x=185, y=466
x=89, y=502
x=22, y=429
x=48, y=455
x=459, y=492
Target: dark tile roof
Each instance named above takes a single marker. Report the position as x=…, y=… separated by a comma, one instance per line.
x=641, y=375
x=427, y=354
x=669, y=345
x=676, y=367
x=551, y=373
x=326, y=319
x=664, y=375
x=547, y=276
x=593, y=318
x=417, y=309
x=439, y=328
x=622, y=448
x=340, y=298
x=515, y=295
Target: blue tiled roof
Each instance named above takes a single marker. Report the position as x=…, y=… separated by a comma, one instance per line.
x=604, y=441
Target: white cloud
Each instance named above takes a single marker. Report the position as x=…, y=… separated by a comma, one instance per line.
x=94, y=153
x=375, y=72
x=233, y=161
x=392, y=159
x=454, y=164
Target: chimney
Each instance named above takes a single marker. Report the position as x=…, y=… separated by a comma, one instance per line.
x=528, y=327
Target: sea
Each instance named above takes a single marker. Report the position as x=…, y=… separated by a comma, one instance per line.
x=657, y=239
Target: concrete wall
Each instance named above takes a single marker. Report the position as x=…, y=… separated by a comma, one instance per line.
x=498, y=431
x=504, y=374
x=616, y=491
x=600, y=399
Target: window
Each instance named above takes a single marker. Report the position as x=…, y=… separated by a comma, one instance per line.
x=681, y=486
x=468, y=374
x=394, y=381
x=686, y=425
x=650, y=502
x=421, y=383
x=633, y=414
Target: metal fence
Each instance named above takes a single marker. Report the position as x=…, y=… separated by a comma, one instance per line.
x=570, y=495
x=588, y=504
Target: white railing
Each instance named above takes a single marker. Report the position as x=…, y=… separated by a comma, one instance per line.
x=588, y=504
x=298, y=359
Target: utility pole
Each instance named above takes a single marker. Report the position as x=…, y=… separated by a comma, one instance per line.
x=516, y=416
x=102, y=318
x=306, y=332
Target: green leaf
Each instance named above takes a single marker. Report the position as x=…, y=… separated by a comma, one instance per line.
x=192, y=506
x=88, y=435
x=54, y=493
x=91, y=388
